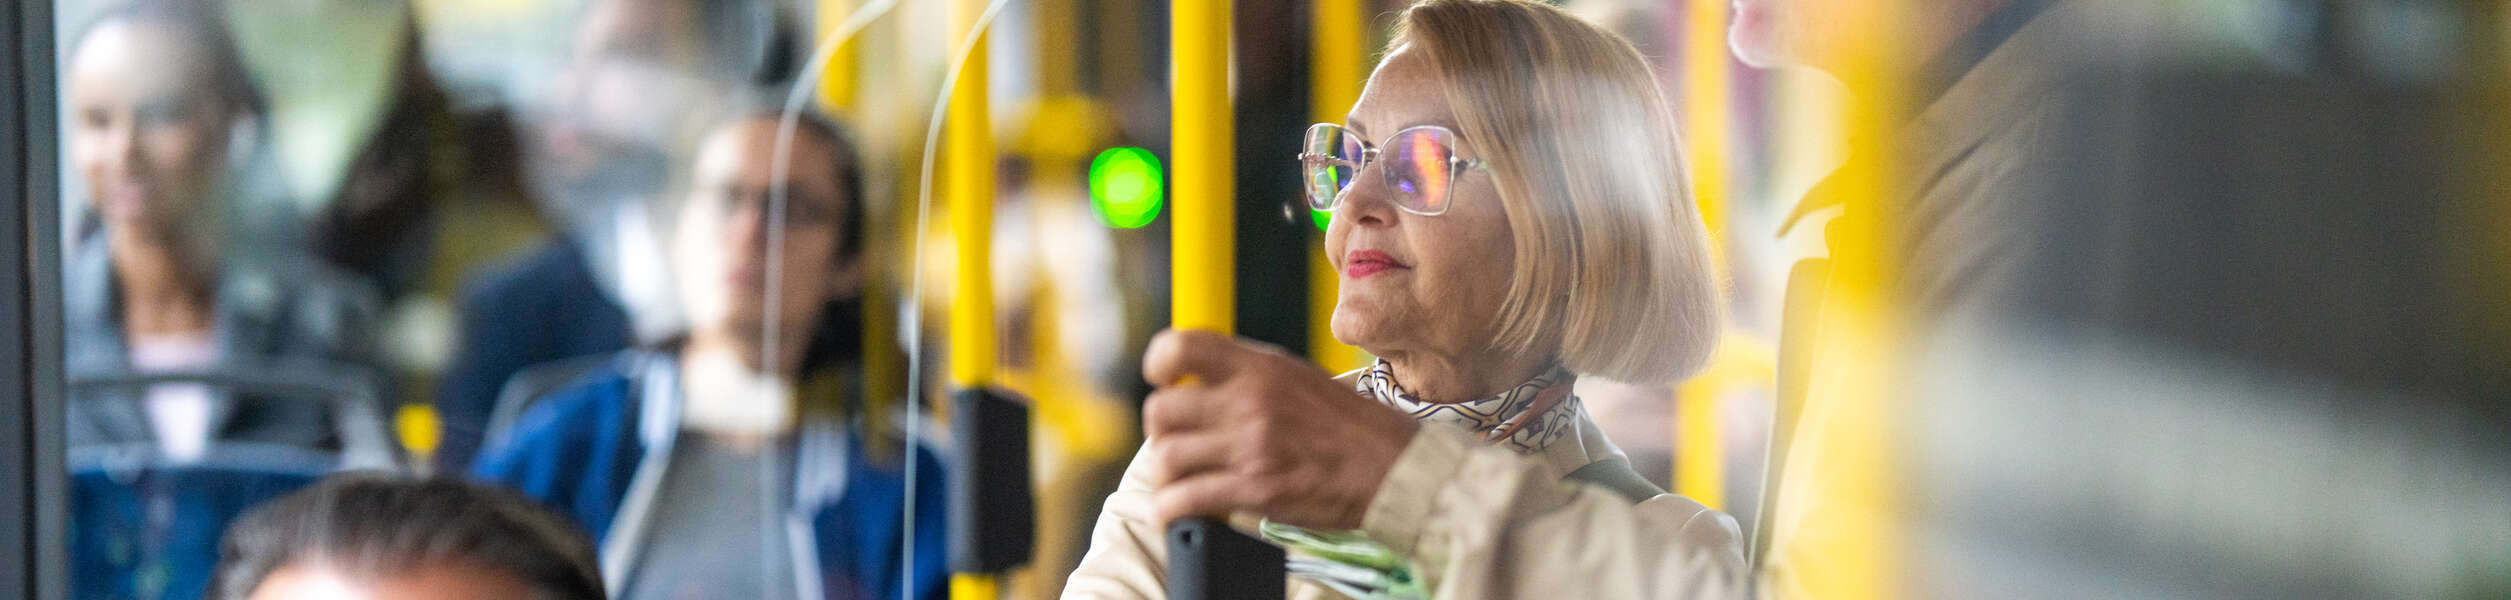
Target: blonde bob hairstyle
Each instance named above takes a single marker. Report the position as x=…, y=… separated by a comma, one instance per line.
x=1612, y=263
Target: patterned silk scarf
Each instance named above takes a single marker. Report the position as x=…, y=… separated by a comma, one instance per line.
x=1527, y=419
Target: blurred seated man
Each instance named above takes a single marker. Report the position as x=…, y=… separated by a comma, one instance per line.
x=154, y=92
x=369, y=537
x=729, y=463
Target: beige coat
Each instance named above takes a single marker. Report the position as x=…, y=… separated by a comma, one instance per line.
x=1477, y=522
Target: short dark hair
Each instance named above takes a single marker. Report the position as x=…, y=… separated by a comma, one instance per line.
x=374, y=526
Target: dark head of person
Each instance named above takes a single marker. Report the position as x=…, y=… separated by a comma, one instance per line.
x=373, y=536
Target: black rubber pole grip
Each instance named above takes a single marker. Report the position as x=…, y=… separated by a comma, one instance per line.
x=1207, y=560
x=992, y=514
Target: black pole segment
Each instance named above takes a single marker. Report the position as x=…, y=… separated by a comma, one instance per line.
x=992, y=513
x=1207, y=560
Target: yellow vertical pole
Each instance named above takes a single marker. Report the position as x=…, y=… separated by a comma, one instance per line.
x=1708, y=102
x=1338, y=56
x=1839, y=523
x=968, y=143
x=837, y=83
x=1700, y=459
x=1201, y=237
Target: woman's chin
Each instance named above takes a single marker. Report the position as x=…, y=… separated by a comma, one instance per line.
x=1358, y=327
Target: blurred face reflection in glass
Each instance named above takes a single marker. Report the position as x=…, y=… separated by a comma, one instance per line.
x=720, y=251
x=1769, y=33
x=304, y=582
x=1415, y=283
x=148, y=130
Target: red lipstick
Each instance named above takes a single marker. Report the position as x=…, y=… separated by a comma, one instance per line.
x=1363, y=263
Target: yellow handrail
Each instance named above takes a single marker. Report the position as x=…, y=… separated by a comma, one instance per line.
x=1839, y=523
x=1339, y=56
x=968, y=176
x=1700, y=465
x=1201, y=239
x=837, y=83
x=968, y=182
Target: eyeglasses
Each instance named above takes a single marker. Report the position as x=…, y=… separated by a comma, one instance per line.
x=1421, y=170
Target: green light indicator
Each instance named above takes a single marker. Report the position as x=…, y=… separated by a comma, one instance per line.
x=1125, y=187
x=1321, y=217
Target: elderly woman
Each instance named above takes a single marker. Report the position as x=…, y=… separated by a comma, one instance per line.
x=1509, y=214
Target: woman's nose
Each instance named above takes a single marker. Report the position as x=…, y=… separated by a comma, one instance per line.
x=1366, y=202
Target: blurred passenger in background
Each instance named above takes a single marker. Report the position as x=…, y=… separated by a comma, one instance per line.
x=364, y=536
x=2173, y=298
x=1977, y=133
x=387, y=204
x=160, y=113
x=367, y=153
x=377, y=172
x=731, y=462
x=156, y=101
x=602, y=142
x=1980, y=106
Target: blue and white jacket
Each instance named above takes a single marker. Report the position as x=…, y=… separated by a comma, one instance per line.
x=597, y=449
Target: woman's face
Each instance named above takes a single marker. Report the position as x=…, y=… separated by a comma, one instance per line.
x=148, y=132
x=1412, y=283
x=721, y=248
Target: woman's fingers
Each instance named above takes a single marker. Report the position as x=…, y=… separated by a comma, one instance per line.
x=1177, y=354
x=1186, y=454
x=1238, y=426
x=1178, y=409
x=1212, y=493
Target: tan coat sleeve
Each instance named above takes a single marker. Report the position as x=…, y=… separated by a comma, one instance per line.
x=1482, y=522
x=1128, y=556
